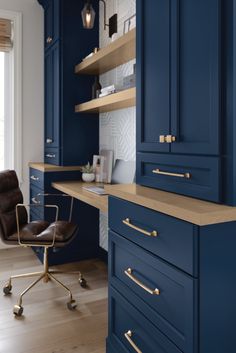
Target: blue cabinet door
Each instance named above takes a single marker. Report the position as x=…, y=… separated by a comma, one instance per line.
x=51, y=24
x=153, y=74
x=52, y=94
x=178, y=75
x=195, y=76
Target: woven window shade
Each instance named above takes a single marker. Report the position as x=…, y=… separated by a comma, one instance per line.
x=5, y=35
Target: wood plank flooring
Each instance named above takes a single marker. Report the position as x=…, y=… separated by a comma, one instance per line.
x=47, y=325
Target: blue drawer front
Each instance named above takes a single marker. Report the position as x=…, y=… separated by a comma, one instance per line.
x=36, y=214
x=124, y=317
x=177, y=241
x=52, y=156
x=172, y=311
x=39, y=201
x=36, y=178
x=203, y=181
x=36, y=201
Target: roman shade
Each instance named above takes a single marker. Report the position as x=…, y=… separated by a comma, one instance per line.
x=5, y=35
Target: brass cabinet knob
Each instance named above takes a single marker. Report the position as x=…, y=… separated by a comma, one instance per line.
x=162, y=139
x=49, y=40
x=167, y=138
x=49, y=140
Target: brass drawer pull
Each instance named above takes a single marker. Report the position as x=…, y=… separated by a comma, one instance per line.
x=128, y=336
x=128, y=223
x=34, y=178
x=178, y=175
x=35, y=201
x=49, y=140
x=155, y=291
x=49, y=155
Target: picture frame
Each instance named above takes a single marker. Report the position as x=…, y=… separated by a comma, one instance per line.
x=129, y=24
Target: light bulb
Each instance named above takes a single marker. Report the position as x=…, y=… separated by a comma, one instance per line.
x=88, y=15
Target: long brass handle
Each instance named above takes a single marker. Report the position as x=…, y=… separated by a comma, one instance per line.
x=128, y=336
x=155, y=291
x=178, y=175
x=35, y=201
x=128, y=223
x=34, y=178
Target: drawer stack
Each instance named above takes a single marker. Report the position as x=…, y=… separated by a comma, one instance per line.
x=153, y=285
x=85, y=244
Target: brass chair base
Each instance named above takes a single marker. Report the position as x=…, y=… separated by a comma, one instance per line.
x=45, y=276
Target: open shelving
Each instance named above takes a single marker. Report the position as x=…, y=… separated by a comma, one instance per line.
x=115, y=101
x=115, y=54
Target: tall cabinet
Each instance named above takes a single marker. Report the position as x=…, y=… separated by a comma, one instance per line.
x=66, y=43
x=70, y=140
x=184, y=100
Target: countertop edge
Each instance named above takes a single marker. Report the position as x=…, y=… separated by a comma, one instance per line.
x=219, y=214
x=44, y=167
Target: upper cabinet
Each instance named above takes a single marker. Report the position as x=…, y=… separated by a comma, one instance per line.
x=178, y=64
x=186, y=81
x=52, y=96
x=153, y=74
x=195, y=76
x=52, y=21
x=67, y=43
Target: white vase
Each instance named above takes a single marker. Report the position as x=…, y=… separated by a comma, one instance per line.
x=88, y=177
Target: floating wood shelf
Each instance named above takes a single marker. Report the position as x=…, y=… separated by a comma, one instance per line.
x=115, y=101
x=115, y=54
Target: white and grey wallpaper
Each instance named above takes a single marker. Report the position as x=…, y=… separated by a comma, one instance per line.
x=116, y=129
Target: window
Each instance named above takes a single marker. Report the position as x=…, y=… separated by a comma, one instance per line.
x=10, y=91
x=1, y=110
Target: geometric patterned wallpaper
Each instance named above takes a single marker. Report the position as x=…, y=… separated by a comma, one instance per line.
x=117, y=129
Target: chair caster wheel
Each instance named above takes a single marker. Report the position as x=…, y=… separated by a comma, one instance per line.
x=7, y=289
x=18, y=310
x=72, y=305
x=83, y=282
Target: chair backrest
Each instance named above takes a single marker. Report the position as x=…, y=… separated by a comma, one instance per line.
x=10, y=196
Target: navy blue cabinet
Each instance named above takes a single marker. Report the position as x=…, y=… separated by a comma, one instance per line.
x=52, y=20
x=181, y=90
x=195, y=76
x=153, y=74
x=52, y=96
x=173, y=290
x=66, y=43
x=85, y=244
x=179, y=75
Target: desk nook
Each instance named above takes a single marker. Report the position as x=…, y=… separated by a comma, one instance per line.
x=172, y=234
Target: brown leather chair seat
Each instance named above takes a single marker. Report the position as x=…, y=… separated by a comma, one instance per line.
x=64, y=233
x=42, y=231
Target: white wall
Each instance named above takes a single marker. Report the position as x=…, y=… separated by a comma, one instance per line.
x=33, y=81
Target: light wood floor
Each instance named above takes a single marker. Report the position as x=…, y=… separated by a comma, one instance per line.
x=47, y=325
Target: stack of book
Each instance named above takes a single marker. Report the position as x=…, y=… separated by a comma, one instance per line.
x=107, y=90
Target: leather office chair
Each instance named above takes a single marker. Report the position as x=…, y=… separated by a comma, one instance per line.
x=15, y=229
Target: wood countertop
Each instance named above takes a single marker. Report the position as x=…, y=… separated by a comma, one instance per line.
x=188, y=209
x=44, y=167
x=195, y=211
x=75, y=189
